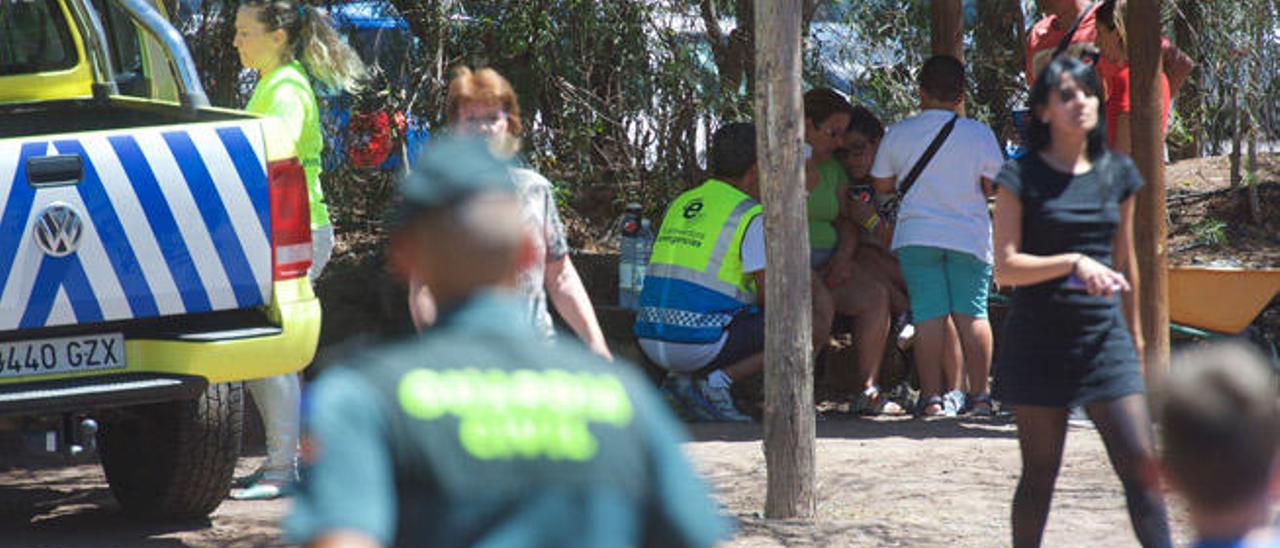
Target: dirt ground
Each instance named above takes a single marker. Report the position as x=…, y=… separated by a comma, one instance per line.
x=881, y=482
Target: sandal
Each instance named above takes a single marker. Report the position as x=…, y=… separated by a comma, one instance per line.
x=872, y=402
x=979, y=405
x=922, y=410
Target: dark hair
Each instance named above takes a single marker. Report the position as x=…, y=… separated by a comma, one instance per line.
x=863, y=121
x=733, y=150
x=1049, y=80
x=1221, y=424
x=823, y=103
x=313, y=40
x=942, y=78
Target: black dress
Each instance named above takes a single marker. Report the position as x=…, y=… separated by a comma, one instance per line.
x=1063, y=347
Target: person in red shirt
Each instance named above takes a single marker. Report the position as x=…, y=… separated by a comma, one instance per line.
x=1045, y=35
x=1111, y=38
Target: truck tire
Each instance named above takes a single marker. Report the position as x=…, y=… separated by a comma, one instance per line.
x=174, y=459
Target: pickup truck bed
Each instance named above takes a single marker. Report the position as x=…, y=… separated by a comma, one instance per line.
x=172, y=216
x=75, y=116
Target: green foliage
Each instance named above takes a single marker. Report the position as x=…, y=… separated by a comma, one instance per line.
x=1211, y=231
x=619, y=96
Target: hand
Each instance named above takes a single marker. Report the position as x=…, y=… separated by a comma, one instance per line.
x=1098, y=279
x=860, y=211
x=601, y=349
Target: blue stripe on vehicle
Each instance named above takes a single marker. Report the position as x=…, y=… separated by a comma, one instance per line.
x=163, y=225
x=251, y=173
x=68, y=273
x=17, y=209
x=214, y=212
x=48, y=279
x=112, y=235
x=80, y=292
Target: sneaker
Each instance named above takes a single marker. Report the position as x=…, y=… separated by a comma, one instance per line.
x=719, y=402
x=245, y=482
x=677, y=390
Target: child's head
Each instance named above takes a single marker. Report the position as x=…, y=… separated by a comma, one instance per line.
x=858, y=150
x=942, y=79
x=1221, y=426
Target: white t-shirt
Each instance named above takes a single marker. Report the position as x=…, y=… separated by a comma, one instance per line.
x=686, y=357
x=946, y=207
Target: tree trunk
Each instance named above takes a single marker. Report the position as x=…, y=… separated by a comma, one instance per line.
x=1237, y=141
x=788, y=411
x=997, y=34
x=1191, y=97
x=1255, y=202
x=946, y=28
x=1149, y=225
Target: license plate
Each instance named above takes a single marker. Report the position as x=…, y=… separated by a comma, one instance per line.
x=61, y=355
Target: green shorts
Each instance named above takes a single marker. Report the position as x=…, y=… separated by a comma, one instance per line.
x=942, y=281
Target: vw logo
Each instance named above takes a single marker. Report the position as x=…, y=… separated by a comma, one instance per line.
x=58, y=230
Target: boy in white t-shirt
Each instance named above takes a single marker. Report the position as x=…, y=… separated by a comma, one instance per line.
x=943, y=233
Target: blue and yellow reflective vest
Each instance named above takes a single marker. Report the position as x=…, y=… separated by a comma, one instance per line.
x=695, y=285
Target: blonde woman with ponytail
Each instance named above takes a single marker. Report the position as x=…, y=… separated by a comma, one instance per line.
x=290, y=45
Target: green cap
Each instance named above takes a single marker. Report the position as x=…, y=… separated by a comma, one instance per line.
x=449, y=170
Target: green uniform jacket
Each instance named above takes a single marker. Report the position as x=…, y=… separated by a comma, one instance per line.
x=478, y=433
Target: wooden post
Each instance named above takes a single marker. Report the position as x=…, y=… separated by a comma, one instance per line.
x=788, y=405
x=946, y=28
x=1147, y=138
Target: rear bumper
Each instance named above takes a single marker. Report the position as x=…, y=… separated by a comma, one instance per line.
x=243, y=354
x=215, y=355
x=89, y=393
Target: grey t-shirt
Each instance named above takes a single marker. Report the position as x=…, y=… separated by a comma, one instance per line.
x=539, y=207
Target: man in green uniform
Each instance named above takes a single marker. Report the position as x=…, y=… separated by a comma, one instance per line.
x=477, y=432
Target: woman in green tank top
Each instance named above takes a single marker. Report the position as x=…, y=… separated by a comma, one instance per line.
x=288, y=44
x=833, y=239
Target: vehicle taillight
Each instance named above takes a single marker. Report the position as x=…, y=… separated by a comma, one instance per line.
x=290, y=220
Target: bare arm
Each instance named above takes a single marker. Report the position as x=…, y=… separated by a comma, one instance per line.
x=570, y=298
x=885, y=185
x=1014, y=267
x=1177, y=67
x=343, y=539
x=1127, y=264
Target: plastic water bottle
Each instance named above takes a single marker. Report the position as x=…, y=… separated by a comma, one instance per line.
x=637, y=242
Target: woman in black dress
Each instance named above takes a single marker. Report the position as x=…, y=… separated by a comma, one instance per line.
x=1064, y=237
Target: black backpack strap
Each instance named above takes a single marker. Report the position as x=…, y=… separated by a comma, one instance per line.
x=910, y=179
x=1071, y=32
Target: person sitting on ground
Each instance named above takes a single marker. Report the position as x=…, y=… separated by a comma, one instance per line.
x=1220, y=430
x=474, y=432
x=483, y=103
x=943, y=233
x=701, y=311
x=856, y=289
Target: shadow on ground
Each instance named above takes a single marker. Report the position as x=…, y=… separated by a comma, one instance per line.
x=850, y=428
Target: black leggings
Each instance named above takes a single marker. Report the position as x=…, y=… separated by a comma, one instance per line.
x=1125, y=427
